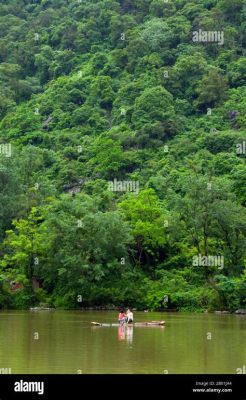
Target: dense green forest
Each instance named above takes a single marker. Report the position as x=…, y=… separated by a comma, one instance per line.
x=122, y=153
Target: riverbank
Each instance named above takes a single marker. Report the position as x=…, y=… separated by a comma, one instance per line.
x=117, y=309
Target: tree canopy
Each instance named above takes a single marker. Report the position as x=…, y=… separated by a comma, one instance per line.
x=122, y=153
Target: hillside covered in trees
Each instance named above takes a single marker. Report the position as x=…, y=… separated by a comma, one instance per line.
x=122, y=153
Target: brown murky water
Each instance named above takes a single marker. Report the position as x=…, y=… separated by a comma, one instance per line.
x=64, y=342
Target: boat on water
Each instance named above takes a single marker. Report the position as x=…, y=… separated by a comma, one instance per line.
x=41, y=309
x=141, y=324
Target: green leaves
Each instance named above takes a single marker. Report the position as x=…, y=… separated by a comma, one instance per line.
x=212, y=89
x=154, y=104
x=146, y=216
x=102, y=92
x=24, y=246
x=117, y=90
x=107, y=157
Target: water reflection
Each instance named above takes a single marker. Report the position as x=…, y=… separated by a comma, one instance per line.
x=67, y=343
x=125, y=332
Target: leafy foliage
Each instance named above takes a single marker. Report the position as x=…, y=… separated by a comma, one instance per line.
x=127, y=153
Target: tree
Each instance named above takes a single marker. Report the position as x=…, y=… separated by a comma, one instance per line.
x=210, y=214
x=211, y=90
x=154, y=104
x=24, y=248
x=12, y=189
x=146, y=217
x=84, y=246
x=102, y=92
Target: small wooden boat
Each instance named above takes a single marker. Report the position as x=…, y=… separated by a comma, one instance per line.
x=41, y=309
x=148, y=323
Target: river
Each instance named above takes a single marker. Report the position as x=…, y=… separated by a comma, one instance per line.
x=64, y=342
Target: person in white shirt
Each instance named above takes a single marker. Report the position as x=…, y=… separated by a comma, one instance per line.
x=129, y=316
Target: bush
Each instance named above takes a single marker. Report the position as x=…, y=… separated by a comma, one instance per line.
x=5, y=298
x=23, y=299
x=230, y=293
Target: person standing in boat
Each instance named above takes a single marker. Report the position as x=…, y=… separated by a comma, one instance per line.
x=129, y=316
x=122, y=317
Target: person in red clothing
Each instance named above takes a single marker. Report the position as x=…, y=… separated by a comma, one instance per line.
x=122, y=317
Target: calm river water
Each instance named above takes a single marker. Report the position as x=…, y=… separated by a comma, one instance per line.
x=64, y=342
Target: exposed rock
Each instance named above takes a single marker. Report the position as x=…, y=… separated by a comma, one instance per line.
x=16, y=286
x=222, y=312
x=233, y=114
x=74, y=187
x=47, y=122
x=240, y=311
